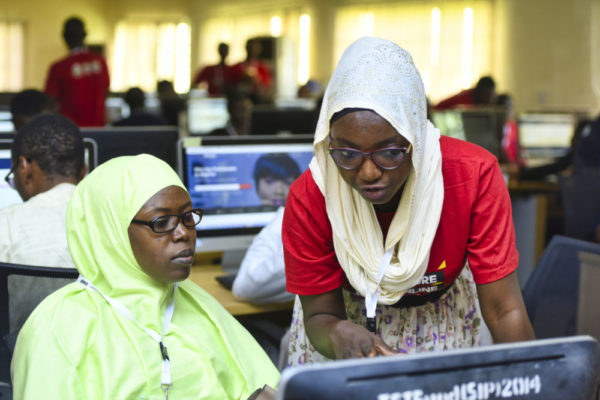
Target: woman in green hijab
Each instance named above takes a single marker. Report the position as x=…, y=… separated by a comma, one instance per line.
x=132, y=327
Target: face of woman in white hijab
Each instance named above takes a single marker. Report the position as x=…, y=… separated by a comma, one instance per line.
x=366, y=131
x=166, y=257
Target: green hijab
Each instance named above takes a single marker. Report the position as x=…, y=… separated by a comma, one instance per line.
x=76, y=345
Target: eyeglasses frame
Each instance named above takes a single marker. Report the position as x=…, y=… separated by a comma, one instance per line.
x=197, y=211
x=364, y=154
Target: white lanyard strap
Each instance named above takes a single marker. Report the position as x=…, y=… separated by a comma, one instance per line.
x=372, y=296
x=165, y=382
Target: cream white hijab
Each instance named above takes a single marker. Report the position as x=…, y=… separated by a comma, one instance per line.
x=379, y=75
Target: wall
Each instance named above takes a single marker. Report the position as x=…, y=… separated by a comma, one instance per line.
x=546, y=51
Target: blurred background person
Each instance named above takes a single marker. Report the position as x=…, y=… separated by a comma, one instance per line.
x=138, y=116
x=27, y=104
x=79, y=82
x=218, y=77
x=239, y=107
x=171, y=104
x=254, y=74
x=483, y=94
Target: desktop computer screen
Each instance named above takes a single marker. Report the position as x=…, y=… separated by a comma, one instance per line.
x=240, y=183
x=160, y=141
x=546, y=135
x=450, y=123
x=8, y=195
x=6, y=124
x=549, y=369
x=206, y=114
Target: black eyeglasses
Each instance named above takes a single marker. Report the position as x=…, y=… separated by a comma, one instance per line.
x=9, y=178
x=168, y=223
x=386, y=158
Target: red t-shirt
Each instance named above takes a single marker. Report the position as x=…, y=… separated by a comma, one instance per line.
x=475, y=225
x=217, y=76
x=257, y=69
x=464, y=98
x=80, y=82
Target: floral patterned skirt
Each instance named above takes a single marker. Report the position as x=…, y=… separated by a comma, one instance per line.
x=453, y=321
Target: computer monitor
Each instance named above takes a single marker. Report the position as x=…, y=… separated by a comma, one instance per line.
x=484, y=128
x=122, y=141
x=8, y=195
x=545, y=135
x=205, y=114
x=549, y=369
x=450, y=123
x=220, y=172
x=269, y=120
x=6, y=124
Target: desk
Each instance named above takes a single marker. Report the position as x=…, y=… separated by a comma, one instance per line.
x=204, y=276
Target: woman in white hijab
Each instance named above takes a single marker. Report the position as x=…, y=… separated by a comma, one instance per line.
x=395, y=235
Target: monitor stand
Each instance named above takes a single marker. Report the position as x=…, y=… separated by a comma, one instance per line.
x=230, y=263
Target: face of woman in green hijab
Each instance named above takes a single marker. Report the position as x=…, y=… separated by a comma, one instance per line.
x=166, y=257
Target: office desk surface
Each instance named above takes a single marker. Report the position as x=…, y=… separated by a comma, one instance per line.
x=204, y=276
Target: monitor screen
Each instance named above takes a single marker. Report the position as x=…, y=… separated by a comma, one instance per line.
x=123, y=141
x=483, y=127
x=6, y=124
x=269, y=120
x=8, y=195
x=449, y=122
x=546, y=134
x=206, y=114
x=549, y=369
x=240, y=183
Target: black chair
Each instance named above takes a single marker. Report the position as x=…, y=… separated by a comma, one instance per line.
x=7, y=269
x=551, y=293
x=580, y=195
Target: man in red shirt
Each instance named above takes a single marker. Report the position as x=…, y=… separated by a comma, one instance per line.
x=79, y=82
x=218, y=77
x=254, y=74
x=484, y=93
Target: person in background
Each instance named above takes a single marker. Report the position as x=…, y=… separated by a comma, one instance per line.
x=138, y=116
x=27, y=104
x=47, y=162
x=79, y=82
x=310, y=90
x=171, y=104
x=254, y=74
x=239, y=107
x=397, y=239
x=273, y=175
x=142, y=329
x=483, y=94
x=219, y=77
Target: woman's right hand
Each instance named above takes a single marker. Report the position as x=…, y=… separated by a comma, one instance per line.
x=349, y=340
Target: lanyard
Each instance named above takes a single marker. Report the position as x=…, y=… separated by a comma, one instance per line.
x=165, y=382
x=371, y=297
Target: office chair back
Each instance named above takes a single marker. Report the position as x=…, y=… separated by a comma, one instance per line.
x=580, y=194
x=551, y=293
x=7, y=269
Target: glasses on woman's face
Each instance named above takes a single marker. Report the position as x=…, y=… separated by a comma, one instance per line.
x=385, y=158
x=168, y=223
x=10, y=178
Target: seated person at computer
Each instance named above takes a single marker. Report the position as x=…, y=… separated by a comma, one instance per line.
x=27, y=104
x=239, y=107
x=171, y=104
x=132, y=326
x=138, y=116
x=219, y=77
x=483, y=94
x=273, y=175
x=388, y=251
x=47, y=162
